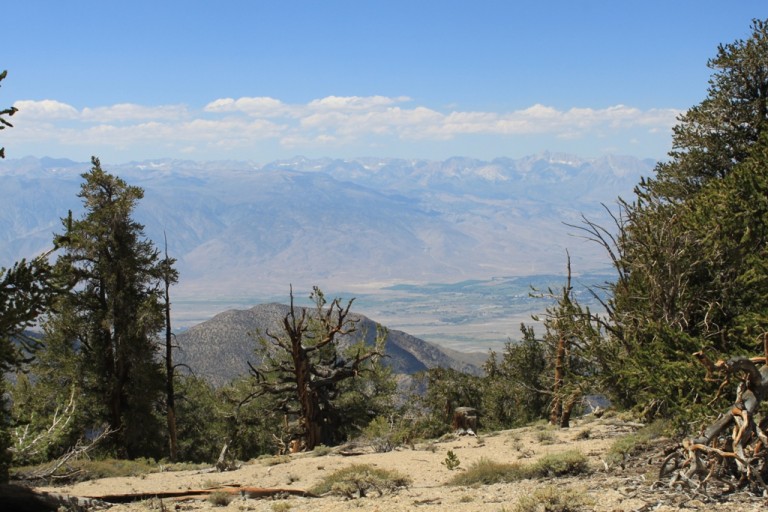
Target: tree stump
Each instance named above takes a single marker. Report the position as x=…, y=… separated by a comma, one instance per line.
x=464, y=420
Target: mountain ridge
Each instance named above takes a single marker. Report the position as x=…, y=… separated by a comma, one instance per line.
x=220, y=349
x=244, y=230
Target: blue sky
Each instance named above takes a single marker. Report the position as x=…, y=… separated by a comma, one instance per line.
x=258, y=80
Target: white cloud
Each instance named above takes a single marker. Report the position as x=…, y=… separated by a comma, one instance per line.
x=227, y=132
x=133, y=112
x=227, y=124
x=258, y=106
x=354, y=103
x=540, y=119
x=45, y=109
x=392, y=120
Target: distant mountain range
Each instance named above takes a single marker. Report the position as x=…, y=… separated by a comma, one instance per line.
x=220, y=348
x=243, y=232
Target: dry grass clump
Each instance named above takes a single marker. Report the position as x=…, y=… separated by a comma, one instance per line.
x=546, y=437
x=553, y=498
x=584, y=434
x=628, y=445
x=487, y=472
x=358, y=480
x=274, y=460
x=219, y=499
x=321, y=450
x=571, y=462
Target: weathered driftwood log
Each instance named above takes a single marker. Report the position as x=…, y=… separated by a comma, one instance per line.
x=24, y=499
x=737, y=457
x=248, y=492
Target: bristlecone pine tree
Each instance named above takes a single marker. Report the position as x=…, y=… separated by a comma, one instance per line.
x=692, y=249
x=304, y=367
x=515, y=384
x=572, y=338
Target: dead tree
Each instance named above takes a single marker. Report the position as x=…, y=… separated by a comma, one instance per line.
x=170, y=276
x=27, y=445
x=304, y=367
x=59, y=468
x=733, y=450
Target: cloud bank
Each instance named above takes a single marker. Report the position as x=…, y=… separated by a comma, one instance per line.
x=374, y=125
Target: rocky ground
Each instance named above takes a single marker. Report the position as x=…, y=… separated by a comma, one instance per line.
x=627, y=486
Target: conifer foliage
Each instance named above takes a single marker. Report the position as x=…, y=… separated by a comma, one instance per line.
x=105, y=330
x=692, y=249
x=27, y=289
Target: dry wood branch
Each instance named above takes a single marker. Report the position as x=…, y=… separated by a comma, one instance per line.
x=225, y=461
x=731, y=450
x=52, y=470
x=28, y=444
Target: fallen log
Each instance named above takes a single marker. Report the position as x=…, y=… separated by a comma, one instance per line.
x=247, y=492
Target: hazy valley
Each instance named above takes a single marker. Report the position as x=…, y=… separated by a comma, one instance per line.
x=446, y=251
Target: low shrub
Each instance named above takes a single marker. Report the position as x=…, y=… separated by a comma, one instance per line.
x=321, y=450
x=380, y=434
x=90, y=469
x=107, y=468
x=633, y=443
x=359, y=479
x=546, y=437
x=571, y=462
x=274, y=460
x=487, y=472
x=451, y=461
x=219, y=499
x=554, y=498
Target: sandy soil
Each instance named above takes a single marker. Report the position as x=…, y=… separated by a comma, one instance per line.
x=613, y=489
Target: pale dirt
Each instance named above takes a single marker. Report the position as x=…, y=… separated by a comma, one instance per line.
x=611, y=489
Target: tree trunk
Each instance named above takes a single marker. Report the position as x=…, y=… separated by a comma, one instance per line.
x=169, y=368
x=311, y=419
x=565, y=418
x=556, y=409
x=557, y=415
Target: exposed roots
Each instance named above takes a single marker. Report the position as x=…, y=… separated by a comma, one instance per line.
x=731, y=454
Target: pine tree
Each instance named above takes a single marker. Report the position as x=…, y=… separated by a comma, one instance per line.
x=170, y=277
x=715, y=135
x=572, y=340
x=691, y=249
x=109, y=323
x=515, y=386
x=27, y=289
